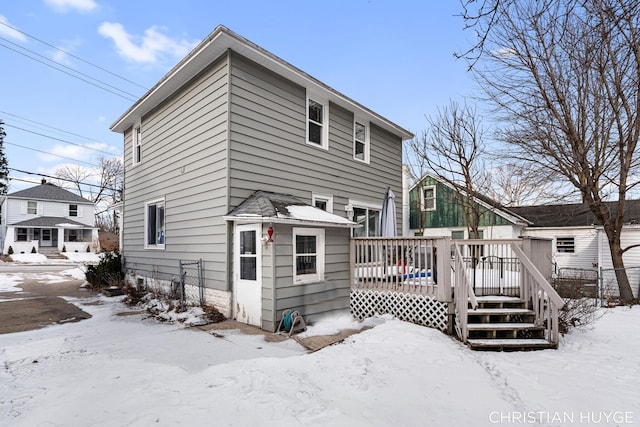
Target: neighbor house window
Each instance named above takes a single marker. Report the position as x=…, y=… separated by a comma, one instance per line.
x=308, y=255
x=21, y=234
x=317, y=129
x=73, y=210
x=457, y=235
x=73, y=235
x=137, y=145
x=565, y=245
x=428, y=198
x=154, y=224
x=322, y=201
x=32, y=207
x=361, y=142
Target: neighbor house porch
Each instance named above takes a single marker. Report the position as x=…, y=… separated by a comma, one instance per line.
x=45, y=234
x=490, y=293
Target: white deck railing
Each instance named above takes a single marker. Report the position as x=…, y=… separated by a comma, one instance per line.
x=403, y=264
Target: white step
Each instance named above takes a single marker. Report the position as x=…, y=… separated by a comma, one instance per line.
x=499, y=311
x=498, y=298
x=509, y=343
x=499, y=326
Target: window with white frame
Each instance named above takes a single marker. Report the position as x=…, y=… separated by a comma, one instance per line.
x=566, y=245
x=457, y=234
x=154, y=224
x=369, y=220
x=317, y=126
x=308, y=255
x=361, y=141
x=428, y=198
x=322, y=201
x=32, y=207
x=73, y=210
x=137, y=145
x=21, y=234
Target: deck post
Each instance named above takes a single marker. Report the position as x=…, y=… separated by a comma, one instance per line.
x=442, y=255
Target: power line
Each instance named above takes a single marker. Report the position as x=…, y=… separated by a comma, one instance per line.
x=51, y=154
x=128, y=96
x=61, y=179
x=59, y=139
x=74, y=56
x=52, y=127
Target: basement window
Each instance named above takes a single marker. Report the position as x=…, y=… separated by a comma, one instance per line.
x=565, y=245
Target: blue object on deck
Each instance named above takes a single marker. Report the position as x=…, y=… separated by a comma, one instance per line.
x=414, y=275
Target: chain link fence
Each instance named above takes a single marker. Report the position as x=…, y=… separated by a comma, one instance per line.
x=600, y=284
x=191, y=286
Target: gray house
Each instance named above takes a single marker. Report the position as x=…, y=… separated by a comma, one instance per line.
x=240, y=159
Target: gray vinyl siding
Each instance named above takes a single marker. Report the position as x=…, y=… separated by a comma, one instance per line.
x=184, y=160
x=268, y=149
x=312, y=300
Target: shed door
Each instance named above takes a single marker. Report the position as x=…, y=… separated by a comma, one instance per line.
x=248, y=274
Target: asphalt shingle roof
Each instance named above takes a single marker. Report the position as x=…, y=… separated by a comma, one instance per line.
x=49, y=221
x=573, y=215
x=266, y=204
x=48, y=191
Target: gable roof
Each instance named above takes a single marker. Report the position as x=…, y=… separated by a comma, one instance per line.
x=265, y=206
x=574, y=214
x=215, y=45
x=48, y=191
x=485, y=201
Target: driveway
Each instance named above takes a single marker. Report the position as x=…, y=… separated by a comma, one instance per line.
x=40, y=302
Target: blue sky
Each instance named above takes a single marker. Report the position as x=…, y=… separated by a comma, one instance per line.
x=395, y=57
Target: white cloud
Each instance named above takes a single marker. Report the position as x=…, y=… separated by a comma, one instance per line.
x=67, y=5
x=149, y=49
x=10, y=32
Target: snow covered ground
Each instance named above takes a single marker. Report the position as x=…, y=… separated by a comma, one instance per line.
x=115, y=370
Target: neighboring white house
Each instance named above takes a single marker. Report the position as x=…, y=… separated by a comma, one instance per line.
x=47, y=218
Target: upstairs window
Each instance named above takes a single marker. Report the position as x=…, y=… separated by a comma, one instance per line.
x=566, y=245
x=428, y=198
x=317, y=130
x=137, y=145
x=32, y=207
x=73, y=210
x=154, y=224
x=361, y=142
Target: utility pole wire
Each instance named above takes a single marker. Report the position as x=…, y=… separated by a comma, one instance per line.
x=61, y=179
x=51, y=154
x=74, y=56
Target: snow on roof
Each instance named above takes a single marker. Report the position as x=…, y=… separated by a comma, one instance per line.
x=311, y=213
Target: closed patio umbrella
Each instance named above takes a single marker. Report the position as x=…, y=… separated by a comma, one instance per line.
x=388, y=226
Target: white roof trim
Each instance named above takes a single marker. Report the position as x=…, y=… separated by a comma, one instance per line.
x=291, y=221
x=211, y=48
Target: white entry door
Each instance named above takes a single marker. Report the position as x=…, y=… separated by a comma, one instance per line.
x=248, y=274
x=45, y=237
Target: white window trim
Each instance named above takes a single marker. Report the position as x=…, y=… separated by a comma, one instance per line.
x=137, y=142
x=423, y=206
x=366, y=142
x=320, y=249
x=325, y=122
x=146, y=221
x=324, y=197
x=362, y=205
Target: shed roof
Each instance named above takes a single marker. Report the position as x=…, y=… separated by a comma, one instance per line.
x=48, y=191
x=265, y=206
x=216, y=44
x=574, y=214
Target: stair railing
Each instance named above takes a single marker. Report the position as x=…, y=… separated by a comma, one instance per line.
x=538, y=291
x=464, y=294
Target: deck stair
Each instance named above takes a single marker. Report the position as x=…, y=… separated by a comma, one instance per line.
x=501, y=323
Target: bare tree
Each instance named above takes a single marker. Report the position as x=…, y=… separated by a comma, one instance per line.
x=515, y=183
x=453, y=150
x=101, y=185
x=565, y=76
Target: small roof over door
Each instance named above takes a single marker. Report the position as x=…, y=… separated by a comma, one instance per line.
x=264, y=206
